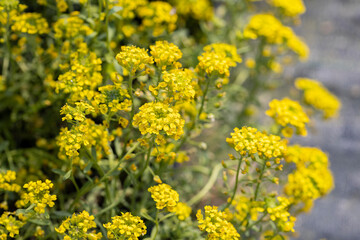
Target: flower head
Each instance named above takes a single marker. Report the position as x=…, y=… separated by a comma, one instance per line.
x=215, y=224
x=164, y=196
x=280, y=215
x=182, y=210
x=31, y=23
x=125, y=226
x=216, y=63
x=165, y=54
x=289, y=8
x=133, y=58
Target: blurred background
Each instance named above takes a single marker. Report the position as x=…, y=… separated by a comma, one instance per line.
x=331, y=28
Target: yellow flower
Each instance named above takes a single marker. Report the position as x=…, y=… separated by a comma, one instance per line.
x=182, y=210
x=61, y=5
x=6, y=180
x=38, y=193
x=165, y=54
x=197, y=9
x=31, y=23
x=125, y=226
x=290, y=8
x=288, y=113
x=158, y=16
x=77, y=113
x=71, y=27
x=11, y=226
x=133, y=58
x=214, y=223
x=157, y=117
x=78, y=226
x=249, y=141
x=280, y=215
x=272, y=30
x=164, y=196
x=229, y=50
x=214, y=63
x=316, y=95
x=244, y=206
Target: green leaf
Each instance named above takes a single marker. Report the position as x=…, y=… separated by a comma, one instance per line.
x=115, y=9
x=59, y=172
x=67, y=175
x=42, y=222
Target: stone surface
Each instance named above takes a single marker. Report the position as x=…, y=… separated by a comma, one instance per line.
x=332, y=30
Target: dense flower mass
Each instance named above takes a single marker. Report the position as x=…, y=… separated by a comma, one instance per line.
x=133, y=58
x=155, y=117
x=214, y=63
x=165, y=54
x=6, y=182
x=182, y=210
x=316, y=95
x=272, y=30
x=125, y=226
x=222, y=48
x=290, y=8
x=71, y=27
x=249, y=141
x=198, y=9
x=77, y=227
x=280, y=215
x=38, y=193
x=31, y=23
x=164, y=196
x=9, y=225
x=244, y=206
x=288, y=113
x=215, y=224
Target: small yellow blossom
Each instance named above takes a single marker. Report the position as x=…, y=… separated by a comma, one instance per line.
x=214, y=63
x=133, y=58
x=9, y=225
x=280, y=215
x=288, y=113
x=214, y=223
x=316, y=95
x=165, y=54
x=78, y=226
x=290, y=8
x=245, y=206
x=156, y=117
x=164, y=196
x=249, y=141
x=31, y=23
x=38, y=193
x=198, y=9
x=182, y=210
x=71, y=27
x=229, y=50
x=6, y=181
x=125, y=226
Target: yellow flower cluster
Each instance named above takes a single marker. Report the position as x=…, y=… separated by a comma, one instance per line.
x=9, y=226
x=83, y=76
x=215, y=224
x=290, y=8
x=164, y=196
x=125, y=226
x=77, y=113
x=159, y=16
x=197, y=9
x=249, y=141
x=182, y=210
x=38, y=193
x=245, y=206
x=217, y=59
x=165, y=54
x=311, y=179
x=164, y=153
x=154, y=117
x=223, y=48
x=272, y=30
x=77, y=227
x=133, y=58
x=287, y=113
x=6, y=180
x=113, y=98
x=280, y=215
x=178, y=85
x=71, y=27
x=31, y=23
x=316, y=95
x=62, y=5
x=86, y=134
x=128, y=7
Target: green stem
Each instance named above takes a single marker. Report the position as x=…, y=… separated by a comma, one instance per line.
x=259, y=181
x=7, y=49
x=156, y=225
x=208, y=80
x=236, y=184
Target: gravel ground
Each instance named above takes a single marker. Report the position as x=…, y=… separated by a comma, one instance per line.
x=332, y=30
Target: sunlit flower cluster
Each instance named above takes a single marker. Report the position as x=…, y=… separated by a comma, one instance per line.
x=165, y=54
x=290, y=8
x=164, y=196
x=38, y=193
x=288, y=113
x=197, y=9
x=155, y=117
x=158, y=16
x=316, y=95
x=125, y=226
x=280, y=215
x=113, y=98
x=133, y=58
x=215, y=224
x=6, y=181
x=182, y=210
x=165, y=153
x=77, y=113
x=9, y=225
x=214, y=63
x=248, y=140
x=245, y=206
x=221, y=48
x=71, y=27
x=272, y=30
x=77, y=227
